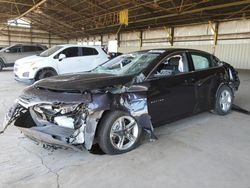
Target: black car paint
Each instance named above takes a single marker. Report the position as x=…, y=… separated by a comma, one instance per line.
x=82, y=82
x=184, y=94
x=166, y=99
x=156, y=100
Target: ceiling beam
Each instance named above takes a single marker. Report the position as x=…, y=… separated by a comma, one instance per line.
x=16, y=3
x=53, y=19
x=197, y=10
x=31, y=9
x=35, y=6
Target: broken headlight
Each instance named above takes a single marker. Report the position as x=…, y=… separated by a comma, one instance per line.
x=66, y=115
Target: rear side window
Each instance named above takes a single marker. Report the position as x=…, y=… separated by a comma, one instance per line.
x=88, y=51
x=39, y=48
x=29, y=48
x=215, y=60
x=70, y=52
x=201, y=61
x=103, y=49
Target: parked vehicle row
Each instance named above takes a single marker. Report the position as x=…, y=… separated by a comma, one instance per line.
x=10, y=54
x=60, y=59
x=112, y=104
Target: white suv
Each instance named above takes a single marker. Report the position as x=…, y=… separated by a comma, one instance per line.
x=58, y=60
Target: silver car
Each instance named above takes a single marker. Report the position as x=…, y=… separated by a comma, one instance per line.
x=10, y=54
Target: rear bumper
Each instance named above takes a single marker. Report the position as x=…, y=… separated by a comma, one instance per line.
x=24, y=80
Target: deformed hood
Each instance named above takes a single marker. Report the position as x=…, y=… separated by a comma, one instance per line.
x=82, y=82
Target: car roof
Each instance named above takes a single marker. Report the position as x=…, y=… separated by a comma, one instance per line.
x=78, y=45
x=34, y=44
x=172, y=50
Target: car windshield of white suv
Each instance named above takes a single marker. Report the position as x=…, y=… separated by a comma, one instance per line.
x=128, y=64
x=50, y=51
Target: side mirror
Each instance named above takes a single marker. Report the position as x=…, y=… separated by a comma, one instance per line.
x=7, y=51
x=61, y=57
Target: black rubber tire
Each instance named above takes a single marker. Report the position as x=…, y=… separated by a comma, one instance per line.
x=1, y=64
x=103, y=133
x=45, y=74
x=218, y=109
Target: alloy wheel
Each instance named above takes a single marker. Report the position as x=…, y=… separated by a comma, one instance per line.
x=225, y=100
x=124, y=132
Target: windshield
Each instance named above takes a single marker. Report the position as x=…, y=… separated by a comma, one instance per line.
x=133, y=63
x=50, y=51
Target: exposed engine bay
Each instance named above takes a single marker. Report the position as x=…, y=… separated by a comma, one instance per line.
x=68, y=116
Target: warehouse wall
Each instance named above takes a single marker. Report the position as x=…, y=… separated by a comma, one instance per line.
x=16, y=35
x=233, y=45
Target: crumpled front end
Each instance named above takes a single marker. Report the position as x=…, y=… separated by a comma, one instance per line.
x=56, y=115
x=233, y=78
x=71, y=118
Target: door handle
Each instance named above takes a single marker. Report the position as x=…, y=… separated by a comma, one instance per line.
x=190, y=80
x=199, y=83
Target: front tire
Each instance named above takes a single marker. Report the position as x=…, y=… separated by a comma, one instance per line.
x=118, y=133
x=224, y=100
x=45, y=74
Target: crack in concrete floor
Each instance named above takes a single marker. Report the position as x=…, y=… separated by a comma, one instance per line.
x=43, y=164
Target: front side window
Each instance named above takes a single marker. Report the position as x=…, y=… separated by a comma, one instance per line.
x=70, y=52
x=201, y=61
x=172, y=65
x=39, y=48
x=29, y=48
x=15, y=49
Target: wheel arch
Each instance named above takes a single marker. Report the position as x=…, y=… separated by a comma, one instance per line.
x=103, y=115
x=2, y=61
x=133, y=103
x=224, y=84
x=43, y=69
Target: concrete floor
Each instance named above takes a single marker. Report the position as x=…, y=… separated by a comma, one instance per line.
x=203, y=151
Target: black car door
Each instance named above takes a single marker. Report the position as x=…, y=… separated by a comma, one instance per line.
x=171, y=93
x=207, y=79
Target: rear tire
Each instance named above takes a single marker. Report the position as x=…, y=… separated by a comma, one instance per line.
x=1, y=64
x=224, y=100
x=45, y=74
x=118, y=133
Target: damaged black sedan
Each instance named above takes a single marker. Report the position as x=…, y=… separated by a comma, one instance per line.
x=114, y=103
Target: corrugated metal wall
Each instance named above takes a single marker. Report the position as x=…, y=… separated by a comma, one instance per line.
x=236, y=54
x=233, y=40
x=16, y=35
x=233, y=44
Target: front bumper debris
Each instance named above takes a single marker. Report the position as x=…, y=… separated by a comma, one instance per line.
x=13, y=113
x=44, y=138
